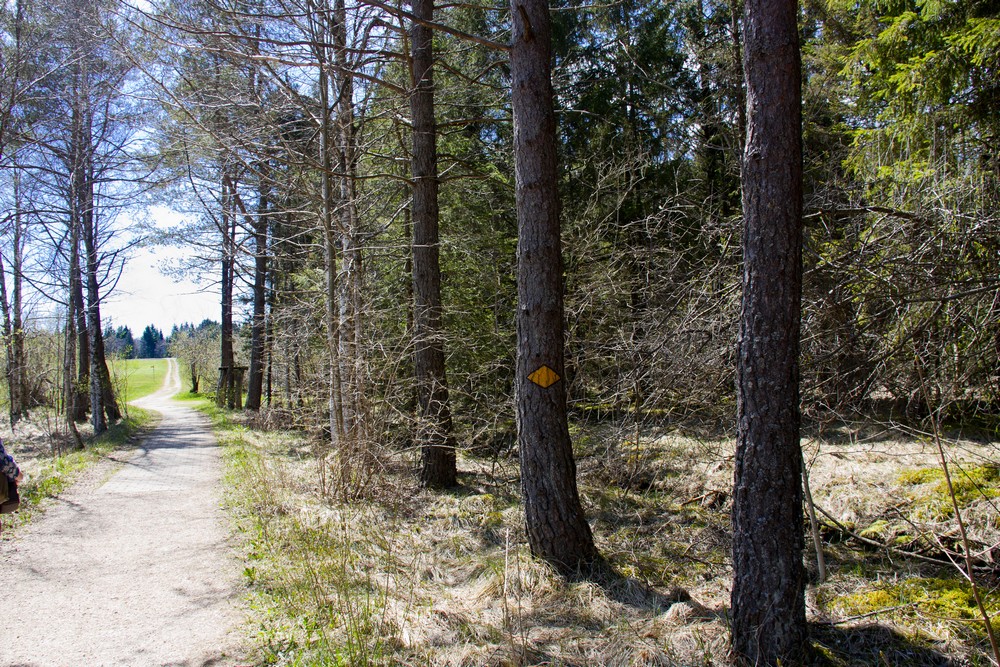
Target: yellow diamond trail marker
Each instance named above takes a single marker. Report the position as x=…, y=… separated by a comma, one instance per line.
x=544, y=377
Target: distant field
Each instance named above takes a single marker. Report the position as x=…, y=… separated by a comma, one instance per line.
x=138, y=377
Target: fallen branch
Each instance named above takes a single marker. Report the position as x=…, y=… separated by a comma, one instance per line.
x=859, y=617
x=944, y=560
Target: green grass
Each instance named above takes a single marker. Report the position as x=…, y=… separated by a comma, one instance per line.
x=135, y=378
x=198, y=401
x=929, y=489
x=310, y=580
x=917, y=602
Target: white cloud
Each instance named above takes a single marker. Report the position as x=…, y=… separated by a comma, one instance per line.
x=145, y=295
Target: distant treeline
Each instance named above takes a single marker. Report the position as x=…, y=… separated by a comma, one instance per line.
x=151, y=345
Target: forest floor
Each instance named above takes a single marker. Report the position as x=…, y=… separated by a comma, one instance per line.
x=129, y=566
x=389, y=574
x=402, y=576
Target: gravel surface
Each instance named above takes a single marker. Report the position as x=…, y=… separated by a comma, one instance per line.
x=135, y=571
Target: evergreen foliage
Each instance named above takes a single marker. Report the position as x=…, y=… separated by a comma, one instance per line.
x=152, y=344
x=119, y=342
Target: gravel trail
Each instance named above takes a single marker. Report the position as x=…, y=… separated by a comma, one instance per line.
x=136, y=571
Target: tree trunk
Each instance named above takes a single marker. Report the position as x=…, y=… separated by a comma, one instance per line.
x=351, y=310
x=77, y=210
x=269, y=346
x=741, y=107
x=224, y=392
x=12, y=318
x=338, y=435
x=82, y=346
x=99, y=366
x=258, y=328
x=8, y=337
x=97, y=418
x=709, y=152
x=19, y=360
x=437, y=447
x=83, y=197
x=70, y=393
x=557, y=528
x=69, y=385
x=77, y=312
x=103, y=406
x=768, y=608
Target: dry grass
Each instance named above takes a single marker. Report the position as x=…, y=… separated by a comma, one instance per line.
x=410, y=577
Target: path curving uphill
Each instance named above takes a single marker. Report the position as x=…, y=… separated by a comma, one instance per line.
x=133, y=572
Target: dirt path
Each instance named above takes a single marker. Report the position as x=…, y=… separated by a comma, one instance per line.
x=135, y=571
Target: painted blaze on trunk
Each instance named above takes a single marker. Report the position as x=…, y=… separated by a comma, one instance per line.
x=768, y=609
x=557, y=528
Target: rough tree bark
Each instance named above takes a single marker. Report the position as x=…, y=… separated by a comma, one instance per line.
x=557, y=528
x=81, y=184
x=19, y=360
x=8, y=337
x=259, y=225
x=255, y=387
x=77, y=164
x=70, y=393
x=768, y=608
x=103, y=406
x=225, y=391
x=433, y=433
x=78, y=311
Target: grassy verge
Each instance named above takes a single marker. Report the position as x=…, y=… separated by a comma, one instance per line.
x=309, y=572
x=418, y=578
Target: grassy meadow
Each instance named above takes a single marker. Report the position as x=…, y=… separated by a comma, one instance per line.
x=135, y=378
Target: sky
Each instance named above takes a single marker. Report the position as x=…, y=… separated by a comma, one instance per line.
x=145, y=295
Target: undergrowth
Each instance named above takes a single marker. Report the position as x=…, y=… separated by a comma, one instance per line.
x=929, y=489
x=409, y=577
x=418, y=578
x=935, y=611
x=311, y=570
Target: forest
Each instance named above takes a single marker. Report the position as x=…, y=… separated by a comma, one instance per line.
x=676, y=324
